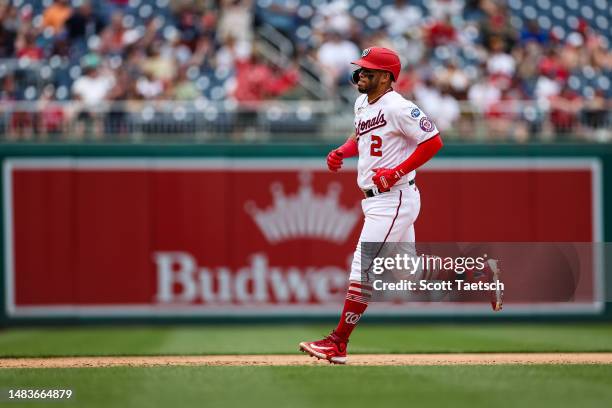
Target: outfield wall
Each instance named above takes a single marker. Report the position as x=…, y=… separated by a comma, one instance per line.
x=221, y=232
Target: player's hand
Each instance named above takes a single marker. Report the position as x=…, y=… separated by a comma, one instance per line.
x=384, y=179
x=334, y=160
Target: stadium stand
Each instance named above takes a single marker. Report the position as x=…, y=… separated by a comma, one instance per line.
x=172, y=70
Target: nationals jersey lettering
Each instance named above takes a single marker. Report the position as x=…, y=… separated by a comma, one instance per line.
x=388, y=132
x=364, y=126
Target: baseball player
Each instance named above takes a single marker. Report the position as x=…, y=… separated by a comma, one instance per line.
x=392, y=137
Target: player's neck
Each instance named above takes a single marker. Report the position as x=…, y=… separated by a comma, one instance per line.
x=376, y=95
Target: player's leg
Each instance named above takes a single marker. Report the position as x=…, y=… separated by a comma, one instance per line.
x=387, y=218
x=333, y=346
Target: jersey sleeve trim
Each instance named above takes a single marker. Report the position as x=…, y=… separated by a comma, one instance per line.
x=429, y=138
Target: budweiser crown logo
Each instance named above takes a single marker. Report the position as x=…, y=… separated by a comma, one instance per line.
x=305, y=214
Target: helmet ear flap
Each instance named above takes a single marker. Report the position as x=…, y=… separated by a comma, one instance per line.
x=355, y=76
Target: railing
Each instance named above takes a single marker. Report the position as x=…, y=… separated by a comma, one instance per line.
x=203, y=121
x=277, y=48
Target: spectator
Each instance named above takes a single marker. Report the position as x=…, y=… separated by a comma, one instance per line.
x=184, y=89
x=453, y=79
x=335, y=17
x=113, y=36
x=596, y=110
x=60, y=47
x=133, y=59
x=92, y=89
x=173, y=48
x=209, y=25
x=412, y=48
x=497, y=24
x=203, y=53
x=149, y=87
x=483, y=94
x=333, y=56
x=21, y=122
x=52, y=118
x=443, y=9
x=257, y=81
x=598, y=48
x=428, y=96
x=440, y=32
x=232, y=51
x=160, y=66
x=546, y=87
x=533, y=32
x=408, y=79
x=574, y=54
x=551, y=66
x=503, y=118
x=83, y=23
x=499, y=62
x=151, y=29
x=188, y=25
x=121, y=97
x=8, y=88
x=597, y=117
x=400, y=17
x=236, y=20
x=26, y=47
x=564, y=109
x=527, y=60
x=448, y=111
x=56, y=15
x=8, y=29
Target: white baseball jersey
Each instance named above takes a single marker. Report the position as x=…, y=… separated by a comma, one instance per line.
x=388, y=132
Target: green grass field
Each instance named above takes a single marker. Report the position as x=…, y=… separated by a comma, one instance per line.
x=315, y=386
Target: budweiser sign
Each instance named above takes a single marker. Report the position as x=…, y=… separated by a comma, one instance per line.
x=180, y=279
x=145, y=236
x=305, y=214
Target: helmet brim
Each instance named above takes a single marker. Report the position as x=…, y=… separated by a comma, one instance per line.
x=366, y=64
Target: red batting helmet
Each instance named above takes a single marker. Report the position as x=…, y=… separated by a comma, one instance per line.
x=380, y=58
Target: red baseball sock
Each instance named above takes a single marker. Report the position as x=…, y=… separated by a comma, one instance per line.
x=356, y=302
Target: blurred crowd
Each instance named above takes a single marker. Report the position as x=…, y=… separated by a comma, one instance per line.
x=527, y=71
x=526, y=68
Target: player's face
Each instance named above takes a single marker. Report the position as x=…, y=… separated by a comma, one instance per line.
x=369, y=80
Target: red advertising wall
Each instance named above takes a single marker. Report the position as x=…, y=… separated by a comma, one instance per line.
x=209, y=237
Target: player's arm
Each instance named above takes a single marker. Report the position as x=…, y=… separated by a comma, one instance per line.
x=348, y=149
x=386, y=178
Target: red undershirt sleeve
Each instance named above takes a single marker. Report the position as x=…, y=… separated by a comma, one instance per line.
x=349, y=148
x=422, y=154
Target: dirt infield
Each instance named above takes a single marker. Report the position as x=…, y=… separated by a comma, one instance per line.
x=300, y=359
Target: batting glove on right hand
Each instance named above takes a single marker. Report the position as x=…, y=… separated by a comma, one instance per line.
x=334, y=160
x=384, y=179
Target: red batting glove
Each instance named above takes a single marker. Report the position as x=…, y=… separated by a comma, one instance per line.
x=385, y=178
x=348, y=149
x=334, y=160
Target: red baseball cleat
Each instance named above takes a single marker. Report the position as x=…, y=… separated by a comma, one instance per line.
x=332, y=348
x=497, y=295
x=491, y=273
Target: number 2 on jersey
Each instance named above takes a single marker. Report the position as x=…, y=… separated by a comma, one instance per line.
x=376, y=146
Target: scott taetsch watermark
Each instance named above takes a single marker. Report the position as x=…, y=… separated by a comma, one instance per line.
x=425, y=285
x=432, y=273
